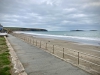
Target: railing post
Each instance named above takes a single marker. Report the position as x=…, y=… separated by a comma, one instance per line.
x=53, y=49
x=78, y=58
x=63, y=52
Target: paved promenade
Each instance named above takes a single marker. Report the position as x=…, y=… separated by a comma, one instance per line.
x=38, y=62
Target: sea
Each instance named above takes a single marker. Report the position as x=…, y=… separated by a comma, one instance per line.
x=82, y=37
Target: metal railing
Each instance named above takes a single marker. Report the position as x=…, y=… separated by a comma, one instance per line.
x=88, y=61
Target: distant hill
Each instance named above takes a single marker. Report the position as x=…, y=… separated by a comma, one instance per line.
x=10, y=29
x=93, y=30
x=77, y=30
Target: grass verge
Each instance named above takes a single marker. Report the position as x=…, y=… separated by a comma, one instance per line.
x=5, y=64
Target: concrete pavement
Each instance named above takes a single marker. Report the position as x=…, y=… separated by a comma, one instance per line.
x=38, y=62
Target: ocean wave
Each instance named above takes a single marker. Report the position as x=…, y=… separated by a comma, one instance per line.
x=62, y=36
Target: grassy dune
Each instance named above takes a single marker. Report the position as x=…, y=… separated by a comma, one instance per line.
x=4, y=58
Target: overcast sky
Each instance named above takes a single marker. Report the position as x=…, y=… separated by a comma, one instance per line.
x=51, y=14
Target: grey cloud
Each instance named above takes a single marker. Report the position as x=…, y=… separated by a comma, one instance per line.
x=50, y=14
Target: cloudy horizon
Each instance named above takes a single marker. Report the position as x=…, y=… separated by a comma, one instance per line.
x=51, y=14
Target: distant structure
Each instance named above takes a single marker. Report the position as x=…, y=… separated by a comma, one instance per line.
x=1, y=28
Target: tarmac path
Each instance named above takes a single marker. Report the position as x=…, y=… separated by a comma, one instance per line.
x=38, y=62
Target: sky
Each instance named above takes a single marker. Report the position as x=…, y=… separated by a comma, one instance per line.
x=53, y=15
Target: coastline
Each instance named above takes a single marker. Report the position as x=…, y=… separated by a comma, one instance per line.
x=87, y=52
x=81, y=47
x=88, y=38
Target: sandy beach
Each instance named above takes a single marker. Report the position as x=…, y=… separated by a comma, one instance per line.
x=76, y=53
